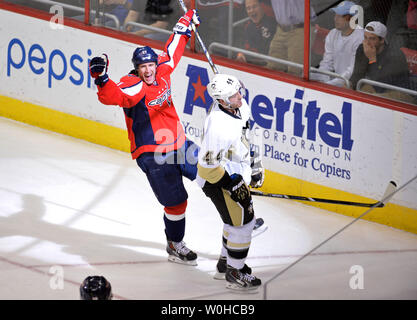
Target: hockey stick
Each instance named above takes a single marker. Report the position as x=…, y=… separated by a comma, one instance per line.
x=259, y=227
x=210, y=61
x=379, y=204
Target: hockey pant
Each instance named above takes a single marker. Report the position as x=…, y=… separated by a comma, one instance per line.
x=165, y=173
x=238, y=225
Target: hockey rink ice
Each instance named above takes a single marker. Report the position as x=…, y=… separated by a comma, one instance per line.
x=70, y=209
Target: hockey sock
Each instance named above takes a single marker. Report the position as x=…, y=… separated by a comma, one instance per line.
x=174, y=230
x=174, y=219
x=236, y=259
x=238, y=243
x=224, y=249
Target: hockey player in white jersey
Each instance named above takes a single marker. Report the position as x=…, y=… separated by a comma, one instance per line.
x=224, y=173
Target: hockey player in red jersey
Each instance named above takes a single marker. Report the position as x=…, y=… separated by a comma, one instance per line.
x=157, y=139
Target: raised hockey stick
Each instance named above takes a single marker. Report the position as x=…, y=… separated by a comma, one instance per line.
x=379, y=204
x=210, y=61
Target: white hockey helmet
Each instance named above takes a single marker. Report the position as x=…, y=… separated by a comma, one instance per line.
x=223, y=86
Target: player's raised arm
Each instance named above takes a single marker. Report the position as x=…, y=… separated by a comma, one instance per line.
x=174, y=47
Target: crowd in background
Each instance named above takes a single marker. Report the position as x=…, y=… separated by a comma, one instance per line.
x=377, y=41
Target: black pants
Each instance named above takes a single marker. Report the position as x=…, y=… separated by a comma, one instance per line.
x=230, y=211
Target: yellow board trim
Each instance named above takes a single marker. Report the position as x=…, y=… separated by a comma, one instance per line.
x=392, y=215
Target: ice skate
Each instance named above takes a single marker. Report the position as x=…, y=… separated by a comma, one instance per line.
x=179, y=253
x=241, y=281
x=222, y=266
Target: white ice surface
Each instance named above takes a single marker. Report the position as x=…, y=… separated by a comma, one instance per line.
x=69, y=209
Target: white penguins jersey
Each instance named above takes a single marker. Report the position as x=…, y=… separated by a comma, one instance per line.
x=224, y=145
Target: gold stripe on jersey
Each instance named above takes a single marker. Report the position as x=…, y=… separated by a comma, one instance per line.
x=212, y=175
x=236, y=212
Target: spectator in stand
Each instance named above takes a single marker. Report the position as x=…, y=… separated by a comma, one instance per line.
x=118, y=8
x=162, y=14
x=412, y=14
x=258, y=31
x=215, y=14
x=412, y=24
x=340, y=45
x=288, y=42
x=378, y=61
x=402, y=24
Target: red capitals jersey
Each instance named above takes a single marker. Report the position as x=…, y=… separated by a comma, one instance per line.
x=151, y=119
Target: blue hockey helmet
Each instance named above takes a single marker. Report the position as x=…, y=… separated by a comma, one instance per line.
x=95, y=288
x=143, y=55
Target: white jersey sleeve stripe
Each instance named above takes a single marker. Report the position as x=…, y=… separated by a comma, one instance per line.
x=172, y=47
x=133, y=90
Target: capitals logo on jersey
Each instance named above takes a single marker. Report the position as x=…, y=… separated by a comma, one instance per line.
x=165, y=96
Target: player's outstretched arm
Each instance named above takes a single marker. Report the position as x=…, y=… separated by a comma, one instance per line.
x=183, y=26
x=174, y=48
x=98, y=69
x=109, y=92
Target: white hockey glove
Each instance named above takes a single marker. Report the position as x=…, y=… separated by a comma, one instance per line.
x=183, y=25
x=258, y=171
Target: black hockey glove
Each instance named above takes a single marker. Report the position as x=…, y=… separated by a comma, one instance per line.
x=98, y=69
x=239, y=191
